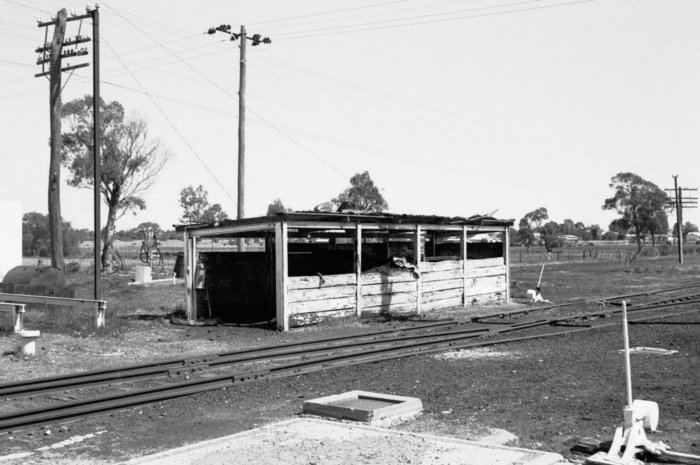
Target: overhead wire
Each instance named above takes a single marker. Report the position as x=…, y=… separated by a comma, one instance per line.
x=26, y=6
x=334, y=31
x=298, y=144
x=326, y=13
x=226, y=92
x=172, y=125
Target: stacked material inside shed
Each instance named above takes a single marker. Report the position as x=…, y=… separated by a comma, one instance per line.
x=299, y=268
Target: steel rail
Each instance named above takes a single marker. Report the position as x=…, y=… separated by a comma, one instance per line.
x=583, y=301
x=128, y=399
x=269, y=354
x=167, y=366
x=170, y=366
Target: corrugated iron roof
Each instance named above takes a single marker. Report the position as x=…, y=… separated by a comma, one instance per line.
x=358, y=217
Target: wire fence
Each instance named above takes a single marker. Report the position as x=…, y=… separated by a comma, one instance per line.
x=622, y=253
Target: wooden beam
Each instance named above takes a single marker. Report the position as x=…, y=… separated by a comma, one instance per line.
x=232, y=229
x=358, y=270
x=100, y=306
x=506, y=259
x=417, y=259
x=463, y=252
x=281, y=276
x=195, y=259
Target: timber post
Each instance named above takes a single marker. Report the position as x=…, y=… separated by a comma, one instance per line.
x=506, y=259
x=281, y=276
x=463, y=253
x=419, y=290
x=358, y=270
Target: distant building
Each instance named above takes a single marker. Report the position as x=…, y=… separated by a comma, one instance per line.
x=692, y=237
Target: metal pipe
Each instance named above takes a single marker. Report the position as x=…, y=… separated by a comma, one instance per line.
x=628, y=367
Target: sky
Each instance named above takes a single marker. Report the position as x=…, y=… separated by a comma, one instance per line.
x=454, y=107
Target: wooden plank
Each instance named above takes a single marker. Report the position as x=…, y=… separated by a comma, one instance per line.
x=485, y=298
x=442, y=295
x=408, y=308
x=281, y=276
x=322, y=305
x=222, y=230
x=389, y=299
x=303, y=319
x=48, y=300
x=456, y=283
x=335, y=292
x=445, y=303
x=480, y=263
x=497, y=270
x=316, y=282
x=381, y=278
x=486, y=285
x=443, y=265
x=388, y=288
x=442, y=275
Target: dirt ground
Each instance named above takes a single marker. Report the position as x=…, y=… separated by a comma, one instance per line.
x=547, y=392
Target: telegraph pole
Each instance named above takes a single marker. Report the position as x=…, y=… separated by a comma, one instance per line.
x=256, y=39
x=241, y=135
x=56, y=54
x=97, y=147
x=55, y=104
x=680, y=202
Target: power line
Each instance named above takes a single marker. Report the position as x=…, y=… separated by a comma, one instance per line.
x=16, y=63
x=408, y=18
x=330, y=12
x=416, y=23
x=171, y=52
x=26, y=6
x=172, y=125
x=297, y=143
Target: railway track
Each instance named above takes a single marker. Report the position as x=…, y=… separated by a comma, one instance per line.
x=301, y=358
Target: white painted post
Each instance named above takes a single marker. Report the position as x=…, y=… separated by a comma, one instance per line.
x=18, y=317
x=281, y=276
x=100, y=314
x=628, y=366
x=463, y=251
x=358, y=270
x=419, y=287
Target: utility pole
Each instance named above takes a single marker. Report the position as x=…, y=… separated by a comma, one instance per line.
x=241, y=136
x=256, y=39
x=56, y=54
x=680, y=202
x=55, y=104
x=97, y=147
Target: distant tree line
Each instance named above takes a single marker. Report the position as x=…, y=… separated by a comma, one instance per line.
x=643, y=208
x=533, y=230
x=36, y=237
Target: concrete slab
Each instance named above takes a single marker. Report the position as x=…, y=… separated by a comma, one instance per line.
x=367, y=407
x=309, y=441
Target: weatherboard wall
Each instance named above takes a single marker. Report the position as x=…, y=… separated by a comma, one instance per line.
x=437, y=285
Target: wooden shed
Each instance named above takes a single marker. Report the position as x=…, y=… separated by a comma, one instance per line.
x=302, y=267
